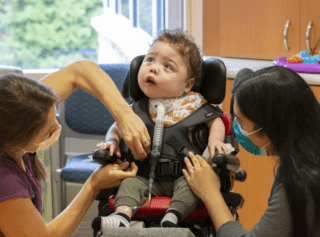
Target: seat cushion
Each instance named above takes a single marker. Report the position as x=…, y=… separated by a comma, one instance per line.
x=158, y=207
x=79, y=168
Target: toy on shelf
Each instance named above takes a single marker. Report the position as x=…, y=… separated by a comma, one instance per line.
x=302, y=63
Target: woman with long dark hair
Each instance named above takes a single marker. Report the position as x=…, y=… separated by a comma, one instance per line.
x=276, y=113
x=28, y=124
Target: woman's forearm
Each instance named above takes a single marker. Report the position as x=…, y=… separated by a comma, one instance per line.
x=67, y=222
x=217, y=209
x=91, y=78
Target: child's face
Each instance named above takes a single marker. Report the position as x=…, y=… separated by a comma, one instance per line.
x=164, y=73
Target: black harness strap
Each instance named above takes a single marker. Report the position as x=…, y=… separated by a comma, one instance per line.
x=176, y=143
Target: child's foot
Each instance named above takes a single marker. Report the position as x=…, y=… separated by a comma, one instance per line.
x=171, y=219
x=117, y=219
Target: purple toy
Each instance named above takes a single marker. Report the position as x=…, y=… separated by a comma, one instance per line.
x=299, y=64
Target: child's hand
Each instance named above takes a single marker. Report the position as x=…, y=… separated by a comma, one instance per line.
x=112, y=146
x=215, y=144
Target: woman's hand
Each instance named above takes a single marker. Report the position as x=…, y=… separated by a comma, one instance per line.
x=110, y=176
x=135, y=134
x=206, y=185
x=202, y=179
x=92, y=79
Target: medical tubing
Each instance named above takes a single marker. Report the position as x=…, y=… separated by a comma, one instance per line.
x=157, y=139
x=156, y=144
x=156, y=149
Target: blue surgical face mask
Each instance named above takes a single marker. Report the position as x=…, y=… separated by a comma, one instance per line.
x=243, y=138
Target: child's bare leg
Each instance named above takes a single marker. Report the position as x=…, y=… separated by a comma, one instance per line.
x=123, y=209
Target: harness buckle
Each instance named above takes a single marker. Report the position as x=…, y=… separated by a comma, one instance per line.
x=168, y=167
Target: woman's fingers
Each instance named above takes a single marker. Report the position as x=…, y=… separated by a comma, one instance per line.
x=135, y=145
x=124, y=166
x=186, y=174
x=194, y=160
x=132, y=171
x=146, y=144
x=119, y=162
x=188, y=163
x=202, y=161
x=134, y=132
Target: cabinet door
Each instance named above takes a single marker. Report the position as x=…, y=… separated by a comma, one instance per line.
x=310, y=12
x=255, y=29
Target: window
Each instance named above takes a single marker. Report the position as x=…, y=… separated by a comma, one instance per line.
x=47, y=33
x=37, y=34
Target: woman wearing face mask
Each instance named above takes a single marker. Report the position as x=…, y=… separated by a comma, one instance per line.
x=28, y=124
x=276, y=113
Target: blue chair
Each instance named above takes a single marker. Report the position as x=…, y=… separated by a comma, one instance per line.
x=82, y=116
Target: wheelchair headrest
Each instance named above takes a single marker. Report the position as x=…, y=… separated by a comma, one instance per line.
x=212, y=87
x=238, y=80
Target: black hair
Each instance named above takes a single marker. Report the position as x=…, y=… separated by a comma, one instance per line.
x=281, y=102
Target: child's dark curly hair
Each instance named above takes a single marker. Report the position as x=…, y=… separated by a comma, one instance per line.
x=188, y=49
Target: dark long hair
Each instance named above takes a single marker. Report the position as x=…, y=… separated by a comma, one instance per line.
x=24, y=108
x=281, y=102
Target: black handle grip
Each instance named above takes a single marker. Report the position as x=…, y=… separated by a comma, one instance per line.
x=102, y=157
x=241, y=175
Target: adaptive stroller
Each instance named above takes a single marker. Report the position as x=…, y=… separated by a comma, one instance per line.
x=213, y=88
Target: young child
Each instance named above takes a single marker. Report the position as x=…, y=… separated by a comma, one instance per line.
x=168, y=72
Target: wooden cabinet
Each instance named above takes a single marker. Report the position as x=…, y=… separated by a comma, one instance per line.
x=310, y=12
x=255, y=29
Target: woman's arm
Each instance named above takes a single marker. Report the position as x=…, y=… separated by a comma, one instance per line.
x=91, y=78
x=19, y=217
x=276, y=221
x=206, y=185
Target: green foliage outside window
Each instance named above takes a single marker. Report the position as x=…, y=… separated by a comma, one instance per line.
x=47, y=33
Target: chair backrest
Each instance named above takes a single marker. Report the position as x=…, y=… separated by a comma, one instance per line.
x=84, y=116
x=212, y=87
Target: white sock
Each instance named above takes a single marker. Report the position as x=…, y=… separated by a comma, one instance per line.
x=118, y=219
x=171, y=218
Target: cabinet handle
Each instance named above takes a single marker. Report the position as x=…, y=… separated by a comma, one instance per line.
x=308, y=36
x=285, y=35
